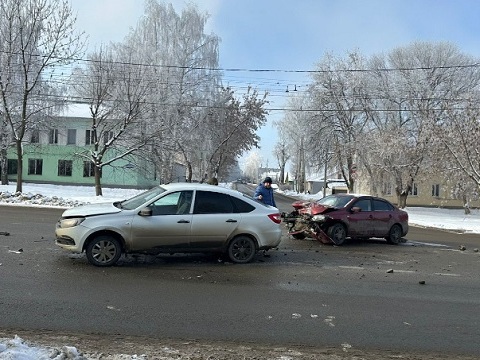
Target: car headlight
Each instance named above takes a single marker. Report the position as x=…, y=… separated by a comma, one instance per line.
x=71, y=222
x=318, y=218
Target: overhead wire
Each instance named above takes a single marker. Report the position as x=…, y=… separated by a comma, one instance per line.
x=275, y=87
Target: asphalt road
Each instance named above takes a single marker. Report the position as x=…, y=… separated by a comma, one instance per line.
x=421, y=296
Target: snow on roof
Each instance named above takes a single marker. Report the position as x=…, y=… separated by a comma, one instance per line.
x=78, y=110
x=336, y=184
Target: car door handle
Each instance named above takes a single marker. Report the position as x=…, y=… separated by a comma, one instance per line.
x=231, y=220
x=183, y=221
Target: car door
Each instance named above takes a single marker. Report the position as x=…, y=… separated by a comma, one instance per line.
x=383, y=217
x=360, y=218
x=213, y=220
x=168, y=226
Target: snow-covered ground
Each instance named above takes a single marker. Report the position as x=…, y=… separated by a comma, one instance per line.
x=66, y=196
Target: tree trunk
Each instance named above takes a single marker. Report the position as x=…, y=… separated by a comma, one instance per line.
x=466, y=205
x=402, y=200
x=98, y=185
x=189, y=171
x=282, y=174
x=4, y=166
x=18, y=144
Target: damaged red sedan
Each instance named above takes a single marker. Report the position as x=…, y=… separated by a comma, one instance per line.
x=337, y=217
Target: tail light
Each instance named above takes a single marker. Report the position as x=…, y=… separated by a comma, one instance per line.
x=276, y=218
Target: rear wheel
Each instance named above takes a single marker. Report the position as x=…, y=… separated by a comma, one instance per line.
x=394, y=235
x=338, y=233
x=241, y=249
x=104, y=250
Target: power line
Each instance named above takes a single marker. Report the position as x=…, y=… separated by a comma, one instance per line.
x=267, y=70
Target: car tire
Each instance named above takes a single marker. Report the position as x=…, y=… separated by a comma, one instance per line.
x=338, y=233
x=394, y=235
x=241, y=249
x=103, y=250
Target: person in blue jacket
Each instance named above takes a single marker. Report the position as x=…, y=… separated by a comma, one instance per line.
x=264, y=192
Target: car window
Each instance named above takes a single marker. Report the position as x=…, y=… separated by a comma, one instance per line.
x=336, y=202
x=363, y=204
x=241, y=206
x=379, y=205
x=172, y=204
x=142, y=198
x=209, y=202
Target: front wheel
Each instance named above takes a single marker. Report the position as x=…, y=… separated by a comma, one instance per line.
x=338, y=233
x=394, y=235
x=241, y=249
x=104, y=250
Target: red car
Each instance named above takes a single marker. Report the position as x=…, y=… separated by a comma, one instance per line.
x=336, y=217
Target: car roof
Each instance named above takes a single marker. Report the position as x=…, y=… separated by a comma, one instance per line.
x=199, y=186
x=353, y=195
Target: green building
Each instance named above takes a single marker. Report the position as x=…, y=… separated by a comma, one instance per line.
x=53, y=155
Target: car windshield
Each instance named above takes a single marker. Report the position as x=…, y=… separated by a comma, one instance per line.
x=334, y=201
x=140, y=199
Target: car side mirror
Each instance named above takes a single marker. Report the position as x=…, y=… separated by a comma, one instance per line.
x=356, y=209
x=145, y=212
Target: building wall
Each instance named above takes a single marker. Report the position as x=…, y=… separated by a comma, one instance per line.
x=132, y=171
x=422, y=195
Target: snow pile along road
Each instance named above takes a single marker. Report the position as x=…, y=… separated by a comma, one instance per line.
x=30, y=199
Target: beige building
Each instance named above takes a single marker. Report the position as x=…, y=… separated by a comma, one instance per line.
x=429, y=193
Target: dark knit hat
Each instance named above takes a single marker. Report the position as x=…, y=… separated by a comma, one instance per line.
x=268, y=179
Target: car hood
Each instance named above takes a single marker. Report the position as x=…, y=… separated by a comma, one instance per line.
x=315, y=209
x=91, y=210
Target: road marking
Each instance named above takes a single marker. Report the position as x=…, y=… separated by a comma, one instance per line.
x=444, y=274
x=427, y=244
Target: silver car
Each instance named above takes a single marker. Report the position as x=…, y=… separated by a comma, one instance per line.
x=173, y=218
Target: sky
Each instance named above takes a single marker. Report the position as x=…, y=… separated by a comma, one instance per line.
x=287, y=38
x=16, y=348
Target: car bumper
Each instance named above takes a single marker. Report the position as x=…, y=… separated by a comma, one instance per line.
x=71, y=239
x=270, y=239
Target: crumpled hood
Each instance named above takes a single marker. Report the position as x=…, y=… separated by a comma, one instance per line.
x=315, y=209
x=91, y=209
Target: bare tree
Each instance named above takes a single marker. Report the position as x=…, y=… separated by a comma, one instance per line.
x=413, y=98
x=282, y=153
x=116, y=92
x=339, y=90
x=4, y=145
x=184, y=61
x=457, y=139
x=296, y=128
x=36, y=36
x=232, y=128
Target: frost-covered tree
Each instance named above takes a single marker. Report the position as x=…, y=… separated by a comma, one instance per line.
x=116, y=90
x=36, y=37
x=282, y=153
x=457, y=143
x=183, y=61
x=411, y=85
x=339, y=92
x=232, y=127
x=251, y=165
x=297, y=131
